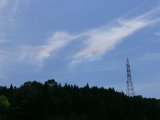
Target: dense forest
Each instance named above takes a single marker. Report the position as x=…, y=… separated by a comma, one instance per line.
x=52, y=101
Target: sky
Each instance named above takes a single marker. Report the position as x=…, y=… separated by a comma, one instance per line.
x=80, y=42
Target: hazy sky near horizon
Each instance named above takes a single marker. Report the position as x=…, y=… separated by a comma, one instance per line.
x=80, y=42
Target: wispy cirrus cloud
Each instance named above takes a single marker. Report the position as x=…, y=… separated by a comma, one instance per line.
x=98, y=42
x=40, y=53
x=15, y=4
x=102, y=40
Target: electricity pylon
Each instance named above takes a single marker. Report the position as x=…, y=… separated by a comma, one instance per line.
x=130, y=89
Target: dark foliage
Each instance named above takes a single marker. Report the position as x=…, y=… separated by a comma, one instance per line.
x=52, y=101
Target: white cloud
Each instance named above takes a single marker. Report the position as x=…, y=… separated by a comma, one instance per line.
x=101, y=41
x=98, y=41
x=39, y=53
x=57, y=41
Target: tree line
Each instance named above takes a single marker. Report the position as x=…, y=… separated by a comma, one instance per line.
x=52, y=101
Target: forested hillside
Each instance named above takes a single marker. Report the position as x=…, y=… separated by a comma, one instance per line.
x=52, y=101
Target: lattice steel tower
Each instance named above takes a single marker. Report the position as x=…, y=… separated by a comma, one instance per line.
x=130, y=88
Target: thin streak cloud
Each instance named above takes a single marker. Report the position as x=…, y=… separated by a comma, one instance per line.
x=101, y=41
x=98, y=42
x=40, y=53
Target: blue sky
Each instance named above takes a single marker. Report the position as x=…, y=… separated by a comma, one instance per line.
x=80, y=42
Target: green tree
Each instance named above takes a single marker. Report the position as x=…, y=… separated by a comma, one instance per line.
x=4, y=105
